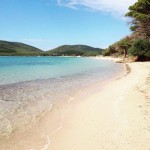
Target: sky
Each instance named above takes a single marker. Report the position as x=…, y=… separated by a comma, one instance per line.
x=47, y=24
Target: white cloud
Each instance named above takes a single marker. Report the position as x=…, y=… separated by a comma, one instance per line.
x=115, y=7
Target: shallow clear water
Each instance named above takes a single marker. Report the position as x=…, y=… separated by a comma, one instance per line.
x=20, y=69
x=30, y=85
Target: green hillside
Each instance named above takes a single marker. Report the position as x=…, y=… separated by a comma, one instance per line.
x=74, y=50
x=15, y=49
x=20, y=49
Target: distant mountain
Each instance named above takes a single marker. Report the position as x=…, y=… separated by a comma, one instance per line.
x=74, y=50
x=15, y=48
x=19, y=49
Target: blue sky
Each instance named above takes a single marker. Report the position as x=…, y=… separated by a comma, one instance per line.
x=47, y=24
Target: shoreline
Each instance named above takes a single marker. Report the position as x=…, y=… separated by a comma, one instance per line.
x=110, y=118
x=123, y=123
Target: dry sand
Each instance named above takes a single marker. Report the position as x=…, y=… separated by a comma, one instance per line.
x=116, y=117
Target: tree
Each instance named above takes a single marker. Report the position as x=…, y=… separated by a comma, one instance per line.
x=112, y=49
x=140, y=14
x=106, y=52
x=125, y=44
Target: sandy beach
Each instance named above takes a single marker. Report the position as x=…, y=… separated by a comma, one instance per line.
x=113, y=117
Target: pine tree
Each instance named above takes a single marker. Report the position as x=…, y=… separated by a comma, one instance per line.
x=140, y=14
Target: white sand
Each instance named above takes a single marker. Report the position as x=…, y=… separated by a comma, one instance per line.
x=114, y=118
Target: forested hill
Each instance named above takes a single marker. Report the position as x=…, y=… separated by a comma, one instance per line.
x=20, y=49
x=15, y=49
x=74, y=50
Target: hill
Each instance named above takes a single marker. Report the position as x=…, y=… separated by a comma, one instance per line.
x=74, y=50
x=15, y=49
x=20, y=49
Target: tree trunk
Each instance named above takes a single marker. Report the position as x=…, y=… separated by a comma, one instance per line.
x=125, y=53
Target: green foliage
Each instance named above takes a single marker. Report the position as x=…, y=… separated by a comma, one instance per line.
x=14, y=48
x=125, y=43
x=112, y=49
x=138, y=44
x=74, y=50
x=141, y=49
x=20, y=49
x=140, y=10
x=140, y=13
x=106, y=52
x=118, y=48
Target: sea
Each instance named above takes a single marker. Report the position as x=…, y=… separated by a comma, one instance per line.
x=31, y=85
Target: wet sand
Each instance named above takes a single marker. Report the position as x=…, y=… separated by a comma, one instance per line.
x=113, y=117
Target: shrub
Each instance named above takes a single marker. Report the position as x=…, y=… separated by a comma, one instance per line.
x=140, y=49
x=106, y=52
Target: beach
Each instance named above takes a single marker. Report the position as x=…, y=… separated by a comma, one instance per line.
x=113, y=117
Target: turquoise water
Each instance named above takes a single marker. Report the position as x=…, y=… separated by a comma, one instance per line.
x=20, y=69
x=31, y=85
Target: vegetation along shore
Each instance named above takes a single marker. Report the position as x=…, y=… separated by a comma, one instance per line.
x=114, y=115
x=135, y=47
